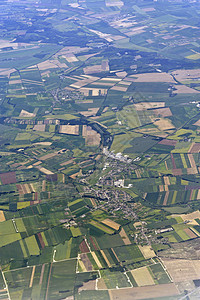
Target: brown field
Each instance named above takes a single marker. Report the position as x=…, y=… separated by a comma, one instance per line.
x=8, y=178
x=168, y=142
x=124, y=237
x=142, y=276
x=25, y=188
x=190, y=233
x=101, y=284
x=121, y=74
x=177, y=172
x=67, y=162
x=163, y=112
x=90, y=285
x=92, y=138
x=147, y=251
x=87, y=263
x=182, y=270
x=15, y=81
x=197, y=123
x=89, y=112
x=69, y=129
x=186, y=75
x=166, y=180
x=147, y=105
x=163, y=124
x=2, y=217
x=47, y=156
x=190, y=217
x=111, y=224
x=195, y=148
x=96, y=69
x=183, y=89
x=119, y=88
x=166, y=198
x=26, y=114
x=39, y=127
x=44, y=170
x=147, y=292
x=51, y=64
x=154, y=77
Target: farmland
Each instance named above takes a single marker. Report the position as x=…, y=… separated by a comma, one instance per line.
x=99, y=150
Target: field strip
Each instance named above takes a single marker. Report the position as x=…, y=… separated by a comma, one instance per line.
x=105, y=257
x=165, y=199
x=42, y=274
x=96, y=259
x=32, y=276
x=48, y=281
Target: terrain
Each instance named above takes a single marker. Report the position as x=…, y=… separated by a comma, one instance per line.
x=99, y=150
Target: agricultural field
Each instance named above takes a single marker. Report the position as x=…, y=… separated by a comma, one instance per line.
x=99, y=150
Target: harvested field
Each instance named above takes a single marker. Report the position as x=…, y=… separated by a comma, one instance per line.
x=168, y=142
x=39, y=127
x=124, y=237
x=148, y=105
x=183, y=89
x=163, y=112
x=67, y=162
x=90, y=285
x=92, y=138
x=154, y=77
x=182, y=270
x=105, y=258
x=195, y=148
x=190, y=217
x=47, y=156
x=163, y=124
x=26, y=114
x=142, y=276
x=69, y=129
x=45, y=171
x=101, y=284
x=2, y=217
x=89, y=112
x=190, y=233
x=147, y=251
x=111, y=224
x=186, y=75
x=148, y=292
x=119, y=88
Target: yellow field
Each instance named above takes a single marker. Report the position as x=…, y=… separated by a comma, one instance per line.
x=147, y=251
x=2, y=217
x=26, y=114
x=96, y=260
x=142, y=276
x=111, y=224
x=69, y=129
x=183, y=89
x=89, y=112
x=164, y=124
x=39, y=127
x=147, y=105
x=154, y=77
x=182, y=270
x=124, y=237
